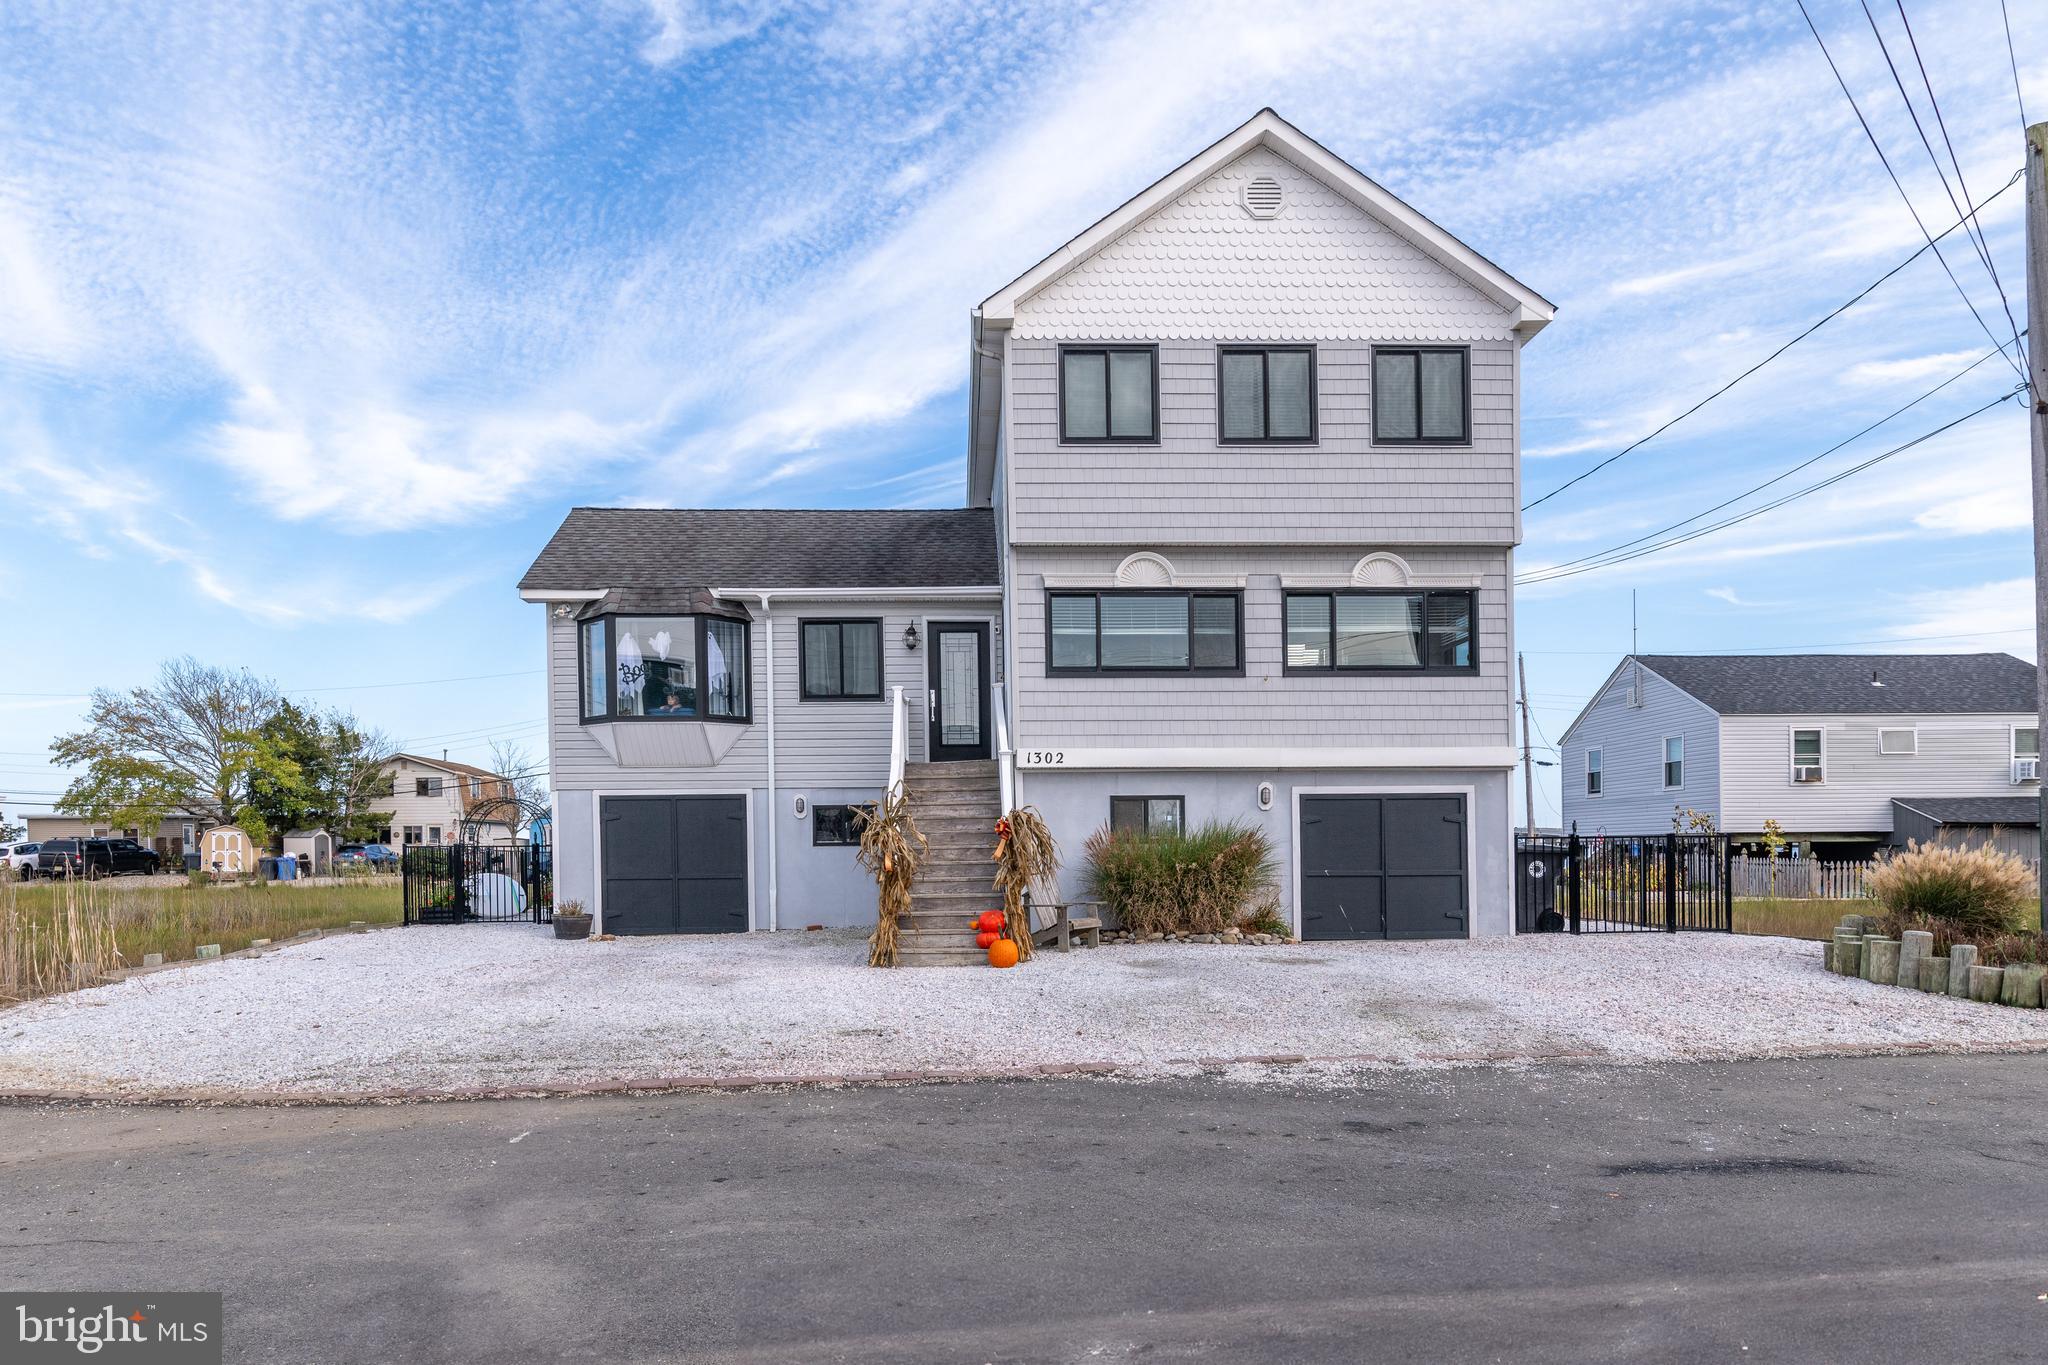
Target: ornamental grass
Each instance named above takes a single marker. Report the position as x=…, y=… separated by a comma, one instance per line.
x=891, y=847
x=1975, y=892
x=1199, y=881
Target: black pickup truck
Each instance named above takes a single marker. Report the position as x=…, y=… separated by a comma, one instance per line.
x=95, y=858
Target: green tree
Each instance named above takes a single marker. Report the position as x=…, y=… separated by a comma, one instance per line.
x=320, y=772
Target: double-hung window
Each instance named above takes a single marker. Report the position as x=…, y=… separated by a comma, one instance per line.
x=1143, y=632
x=841, y=659
x=1809, y=762
x=1674, y=762
x=1423, y=631
x=665, y=667
x=1593, y=774
x=1109, y=394
x=2026, y=753
x=1143, y=815
x=1266, y=395
x=1421, y=395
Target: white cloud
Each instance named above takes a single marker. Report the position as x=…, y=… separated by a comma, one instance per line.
x=2000, y=613
x=1910, y=369
x=683, y=27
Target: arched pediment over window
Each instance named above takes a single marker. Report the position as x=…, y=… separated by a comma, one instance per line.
x=1145, y=570
x=1381, y=570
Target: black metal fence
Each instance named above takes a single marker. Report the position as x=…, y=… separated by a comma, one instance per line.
x=1565, y=883
x=470, y=882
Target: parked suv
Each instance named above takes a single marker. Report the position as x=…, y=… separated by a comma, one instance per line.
x=19, y=859
x=93, y=858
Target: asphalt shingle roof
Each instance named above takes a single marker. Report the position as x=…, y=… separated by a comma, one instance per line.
x=625, y=547
x=1841, y=684
x=1975, y=810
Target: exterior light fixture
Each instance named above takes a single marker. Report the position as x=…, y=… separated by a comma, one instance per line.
x=910, y=637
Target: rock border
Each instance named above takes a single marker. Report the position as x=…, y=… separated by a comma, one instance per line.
x=661, y=1085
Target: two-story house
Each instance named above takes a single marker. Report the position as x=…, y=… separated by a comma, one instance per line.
x=433, y=798
x=1243, y=474
x=1847, y=752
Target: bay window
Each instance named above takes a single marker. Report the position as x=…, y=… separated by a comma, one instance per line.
x=1417, y=631
x=665, y=667
x=1143, y=632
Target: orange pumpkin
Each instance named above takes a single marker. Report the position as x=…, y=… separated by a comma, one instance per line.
x=1002, y=953
x=990, y=921
x=985, y=938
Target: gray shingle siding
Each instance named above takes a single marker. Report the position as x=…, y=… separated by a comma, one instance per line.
x=1633, y=798
x=1188, y=489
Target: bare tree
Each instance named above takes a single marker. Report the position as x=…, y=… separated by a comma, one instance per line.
x=527, y=774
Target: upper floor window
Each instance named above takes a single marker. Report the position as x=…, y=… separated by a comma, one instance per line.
x=1593, y=774
x=1266, y=394
x=841, y=659
x=1380, y=630
x=1109, y=393
x=426, y=786
x=1809, y=763
x=659, y=667
x=1900, y=741
x=1420, y=394
x=1143, y=632
x=1674, y=761
x=2026, y=753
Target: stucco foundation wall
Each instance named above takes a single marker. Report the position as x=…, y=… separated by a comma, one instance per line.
x=1076, y=804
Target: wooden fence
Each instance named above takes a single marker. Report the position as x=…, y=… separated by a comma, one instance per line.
x=1800, y=878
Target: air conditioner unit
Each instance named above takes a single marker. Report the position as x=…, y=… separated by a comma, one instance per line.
x=2026, y=769
x=1811, y=773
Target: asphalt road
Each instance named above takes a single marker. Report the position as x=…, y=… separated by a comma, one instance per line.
x=1843, y=1210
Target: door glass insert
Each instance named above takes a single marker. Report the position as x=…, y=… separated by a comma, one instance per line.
x=959, y=687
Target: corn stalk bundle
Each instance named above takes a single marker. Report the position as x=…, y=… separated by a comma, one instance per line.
x=890, y=848
x=1025, y=853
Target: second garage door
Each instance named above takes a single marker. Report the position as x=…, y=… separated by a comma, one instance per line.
x=1383, y=867
x=675, y=864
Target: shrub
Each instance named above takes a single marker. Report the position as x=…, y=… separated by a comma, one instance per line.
x=2010, y=949
x=1974, y=891
x=1265, y=919
x=1198, y=881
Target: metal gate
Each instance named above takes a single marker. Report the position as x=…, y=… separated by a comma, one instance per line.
x=481, y=877
x=1607, y=883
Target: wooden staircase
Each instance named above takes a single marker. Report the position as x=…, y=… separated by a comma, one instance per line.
x=955, y=806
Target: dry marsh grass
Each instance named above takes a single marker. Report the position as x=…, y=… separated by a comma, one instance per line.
x=1796, y=918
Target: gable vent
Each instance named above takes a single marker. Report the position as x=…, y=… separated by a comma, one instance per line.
x=1263, y=196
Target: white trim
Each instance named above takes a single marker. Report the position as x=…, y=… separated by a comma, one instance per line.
x=597, y=800
x=1471, y=795
x=1528, y=310
x=1664, y=762
x=1884, y=730
x=872, y=594
x=1095, y=582
x=1146, y=569
x=1485, y=757
x=1325, y=582
x=1792, y=733
x=561, y=594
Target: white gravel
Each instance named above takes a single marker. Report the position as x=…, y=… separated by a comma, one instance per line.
x=507, y=1005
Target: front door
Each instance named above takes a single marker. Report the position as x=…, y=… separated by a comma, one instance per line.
x=959, y=699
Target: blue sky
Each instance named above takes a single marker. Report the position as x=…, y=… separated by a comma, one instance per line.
x=315, y=318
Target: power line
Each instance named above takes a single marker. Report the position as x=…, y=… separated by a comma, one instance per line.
x=1785, y=474
x=2014, y=62
x=1898, y=184
x=1861, y=295
x=1545, y=576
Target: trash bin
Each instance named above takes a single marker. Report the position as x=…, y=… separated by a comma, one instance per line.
x=266, y=868
x=192, y=863
x=288, y=868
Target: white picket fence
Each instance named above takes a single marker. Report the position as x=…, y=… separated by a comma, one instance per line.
x=1799, y=878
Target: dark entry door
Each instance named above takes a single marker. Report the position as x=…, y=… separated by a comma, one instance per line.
x=675, y=864
x=1383, y=867
x=959, y=698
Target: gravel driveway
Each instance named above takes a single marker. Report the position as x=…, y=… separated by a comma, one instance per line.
x=507, y=1005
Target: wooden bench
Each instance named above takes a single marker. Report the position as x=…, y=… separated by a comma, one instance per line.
x=1062, y=922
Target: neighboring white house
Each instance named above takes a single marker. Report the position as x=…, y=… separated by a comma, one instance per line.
x=431, y=798
x=1242, y=486
x=1825, y=744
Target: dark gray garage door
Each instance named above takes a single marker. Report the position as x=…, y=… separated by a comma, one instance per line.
x=675, y=864
x=1383, y=866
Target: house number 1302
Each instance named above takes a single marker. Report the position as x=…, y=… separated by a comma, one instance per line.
x=1044, y=758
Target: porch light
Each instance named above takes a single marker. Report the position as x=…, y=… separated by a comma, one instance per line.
x=910, y=637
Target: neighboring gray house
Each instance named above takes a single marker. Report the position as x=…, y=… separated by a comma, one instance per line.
x=1243, y=479
x=1825, y=744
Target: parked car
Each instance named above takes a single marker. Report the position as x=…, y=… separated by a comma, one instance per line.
x=375, y=856
x=19, y=859
x=95, y=858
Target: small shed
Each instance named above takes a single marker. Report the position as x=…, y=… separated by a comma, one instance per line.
x=2010, y=824
x=314, y=848
x=227, y=852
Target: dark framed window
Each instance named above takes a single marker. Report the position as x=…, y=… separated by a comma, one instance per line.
x=840, y=659
x=1421, y=395
x=666, y=668
x=426, y=786
x=1420, y=631
x=1266, y=395
x=834, y=826
x=1145, y=631
x=1142, y=815
x=1109, y=394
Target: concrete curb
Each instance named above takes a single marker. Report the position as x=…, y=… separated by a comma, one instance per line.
x=1138, y=1070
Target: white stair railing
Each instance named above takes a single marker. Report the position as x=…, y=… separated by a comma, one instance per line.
x=1006, y=757
x=899, y=742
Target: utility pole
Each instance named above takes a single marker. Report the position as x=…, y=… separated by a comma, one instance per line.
x=1528, y=762
x=2037, y=427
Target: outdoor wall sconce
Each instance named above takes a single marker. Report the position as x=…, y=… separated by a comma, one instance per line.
x=802, y=807
x=910, y=637
x=1265, y=796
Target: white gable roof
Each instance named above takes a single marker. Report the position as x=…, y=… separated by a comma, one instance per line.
x=1268, y=142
